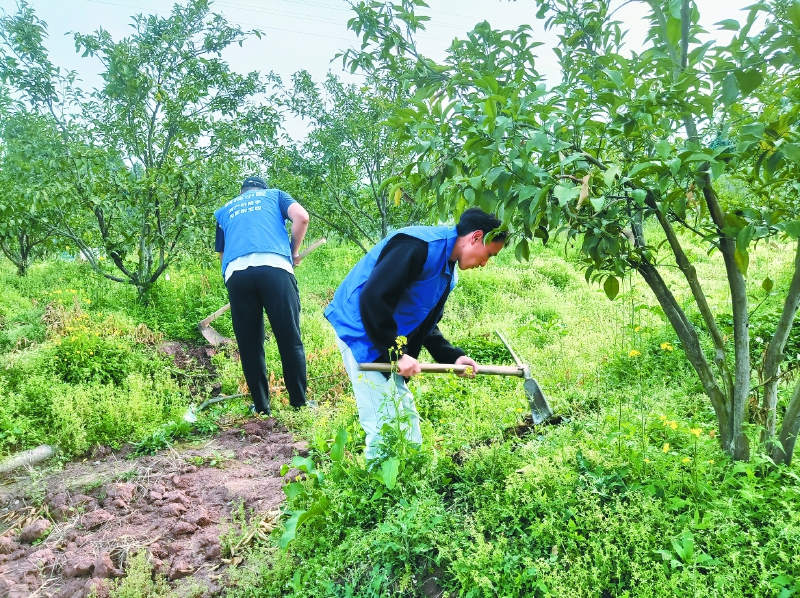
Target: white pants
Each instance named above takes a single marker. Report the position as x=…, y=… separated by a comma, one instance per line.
x=379, y=400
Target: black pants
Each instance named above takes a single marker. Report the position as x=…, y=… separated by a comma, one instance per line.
x=251, y=292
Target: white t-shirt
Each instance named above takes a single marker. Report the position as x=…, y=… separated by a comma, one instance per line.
x=275, y=260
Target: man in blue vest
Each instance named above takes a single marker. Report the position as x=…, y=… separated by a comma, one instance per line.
x=257, y=263
x=388, y=308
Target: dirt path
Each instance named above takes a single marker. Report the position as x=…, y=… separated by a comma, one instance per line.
x=62, y=535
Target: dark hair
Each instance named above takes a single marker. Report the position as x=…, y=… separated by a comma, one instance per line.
x=476, y=219
x=254, y=182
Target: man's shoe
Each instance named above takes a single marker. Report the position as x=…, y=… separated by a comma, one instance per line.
x=254, y=411
x=313, y=405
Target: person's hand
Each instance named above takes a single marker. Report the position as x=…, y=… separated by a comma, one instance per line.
x=464, y=360
x=407, y=366
x=296, y=259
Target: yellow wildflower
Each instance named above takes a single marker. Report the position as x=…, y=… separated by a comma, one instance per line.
x=647, y=460
x=662, y=417
x=667, y=346
x=673, y=424
x=634, y=353
x=665, y=449
x=711, y=461
x=696, y=431
x=637, y=329
x=686, y=460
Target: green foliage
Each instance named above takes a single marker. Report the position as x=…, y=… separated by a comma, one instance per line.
x=134, y=172
x=140, y=581
x=26, y=153
x=86, y=357
x=627, y=150
x=485, y=350
x=343, y=172
x=171, y=432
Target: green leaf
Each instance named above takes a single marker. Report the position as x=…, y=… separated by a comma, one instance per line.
x=793, y=13
x=527, y=192
x=767, y=284
x=730, y=89
x=611, y=287
x=390, y=468
x=297, y=518
x=488, y=201
x=729, y=25
x=337, y=450
x=663, y=149
x=642, y=169
x=610, y=174
x=565, y=193
x=717, y=169
x=698, y=157
x=294, y=489
x=748, y=81
x=742, y=259
x=791, y=228
x=752, y=132
x=744, y=237
x=639, y=196
x=597, y=202
x=791, y=151
x=522, y=251
x=469, y=195
x=492, y=175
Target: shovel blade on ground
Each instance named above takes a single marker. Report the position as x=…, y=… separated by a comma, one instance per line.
x=212, y=336
x=540, y=407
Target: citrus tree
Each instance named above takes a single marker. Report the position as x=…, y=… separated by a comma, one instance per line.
x=629, y=149
x=148, y=155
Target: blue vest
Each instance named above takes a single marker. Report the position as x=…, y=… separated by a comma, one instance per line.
x=255, y=222
x=417, y=302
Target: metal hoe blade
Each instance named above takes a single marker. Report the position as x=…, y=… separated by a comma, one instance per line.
x=540, y=407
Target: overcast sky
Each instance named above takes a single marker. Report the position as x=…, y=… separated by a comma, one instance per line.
x=306, y=34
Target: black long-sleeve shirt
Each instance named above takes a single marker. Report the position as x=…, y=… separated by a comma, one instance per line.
x=400, y=263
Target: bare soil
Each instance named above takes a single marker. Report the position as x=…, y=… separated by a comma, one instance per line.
x=64, y=534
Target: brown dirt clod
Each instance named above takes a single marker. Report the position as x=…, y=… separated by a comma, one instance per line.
x=97, y=514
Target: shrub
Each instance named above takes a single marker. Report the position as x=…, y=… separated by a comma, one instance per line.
x=88, y=357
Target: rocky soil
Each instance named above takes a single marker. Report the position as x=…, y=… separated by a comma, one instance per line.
x=65, y=534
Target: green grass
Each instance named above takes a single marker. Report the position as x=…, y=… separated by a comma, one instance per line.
x=632, y=497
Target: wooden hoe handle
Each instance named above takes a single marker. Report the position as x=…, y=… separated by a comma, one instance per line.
x=449, y=368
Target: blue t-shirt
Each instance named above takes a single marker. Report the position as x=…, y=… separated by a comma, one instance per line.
x=254, y=222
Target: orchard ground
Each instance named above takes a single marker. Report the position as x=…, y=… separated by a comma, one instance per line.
x=630, y=497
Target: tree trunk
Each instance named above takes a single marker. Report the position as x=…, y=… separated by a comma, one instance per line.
x=734, y=440
x=774, y=356
x=783, y=449
x=691, y=345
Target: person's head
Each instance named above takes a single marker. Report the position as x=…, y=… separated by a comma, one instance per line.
x=472, y=249
x=253, y=182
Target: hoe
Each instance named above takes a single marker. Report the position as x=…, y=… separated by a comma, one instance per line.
x=541, y=413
